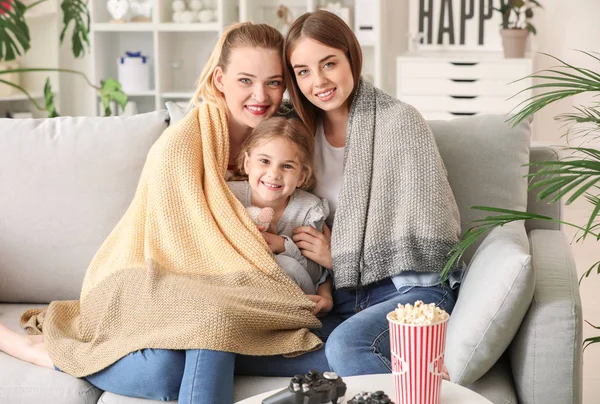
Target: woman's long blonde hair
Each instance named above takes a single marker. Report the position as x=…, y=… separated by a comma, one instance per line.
x=237, y=35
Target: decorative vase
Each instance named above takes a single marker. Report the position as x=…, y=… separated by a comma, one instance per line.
x=195, y=5
x=178, y=6
x=205, y=16
x=284, y=19
x=514, y=42
x=141, y=10
x=187, y=17
x=117, y=9
x=134, y=72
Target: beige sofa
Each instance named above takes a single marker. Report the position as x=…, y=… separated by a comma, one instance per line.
x=65, y=182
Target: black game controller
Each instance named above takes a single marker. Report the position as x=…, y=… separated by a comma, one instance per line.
x=311, y=388
x=379, y=397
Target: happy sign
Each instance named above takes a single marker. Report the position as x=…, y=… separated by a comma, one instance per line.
x=456, y=24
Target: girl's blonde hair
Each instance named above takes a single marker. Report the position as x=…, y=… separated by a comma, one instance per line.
x=290, y=128
x=330, y=30
x=244, y=34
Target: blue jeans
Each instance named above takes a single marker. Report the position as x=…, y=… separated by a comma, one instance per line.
x=357, y=342
x=193, y=376
x=356, y=333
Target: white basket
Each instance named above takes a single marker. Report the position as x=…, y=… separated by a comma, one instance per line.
x=134, y=72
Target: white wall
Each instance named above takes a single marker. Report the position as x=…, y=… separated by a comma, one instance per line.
x=75, y=93
x=564, y=27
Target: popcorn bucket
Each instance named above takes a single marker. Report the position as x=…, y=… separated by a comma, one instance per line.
x=417, y=361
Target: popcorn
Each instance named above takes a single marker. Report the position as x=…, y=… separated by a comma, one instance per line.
x=419, y=314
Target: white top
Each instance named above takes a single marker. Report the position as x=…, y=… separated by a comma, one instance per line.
x=329, y=170
x=451, y=393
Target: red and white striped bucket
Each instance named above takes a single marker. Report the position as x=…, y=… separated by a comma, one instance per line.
x=417, y=361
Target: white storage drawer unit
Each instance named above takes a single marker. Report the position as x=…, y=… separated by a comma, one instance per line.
x=446, y=85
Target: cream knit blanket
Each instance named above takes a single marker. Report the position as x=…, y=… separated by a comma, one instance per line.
x=185, y=268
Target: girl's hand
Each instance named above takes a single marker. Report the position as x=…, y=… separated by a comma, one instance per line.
x=324, y=304
x=314, y=245
x=275, y=242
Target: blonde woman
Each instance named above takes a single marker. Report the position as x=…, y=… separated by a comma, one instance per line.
x=171, y=297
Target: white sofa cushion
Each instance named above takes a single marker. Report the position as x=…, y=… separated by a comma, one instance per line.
x=485, y=160
x=64, y=184
x=492, y=302
x=177, y=111
x=546, y=354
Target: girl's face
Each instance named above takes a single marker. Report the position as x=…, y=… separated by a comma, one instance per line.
x=252, y=84
x=323, y=74
x=274, y=171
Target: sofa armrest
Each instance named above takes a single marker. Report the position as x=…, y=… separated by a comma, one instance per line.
x=546, y=353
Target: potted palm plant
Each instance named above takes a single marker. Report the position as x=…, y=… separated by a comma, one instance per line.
x=15, y=41
x=573, y=177
x=516, y=25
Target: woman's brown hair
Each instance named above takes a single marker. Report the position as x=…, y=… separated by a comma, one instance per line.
x=290, y=128
x=330, y=30
x=244, y=34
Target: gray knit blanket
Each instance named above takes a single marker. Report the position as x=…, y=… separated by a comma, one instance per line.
x=396, y=209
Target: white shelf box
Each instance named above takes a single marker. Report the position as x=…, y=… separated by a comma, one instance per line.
x=182, y=58
x=113, y=45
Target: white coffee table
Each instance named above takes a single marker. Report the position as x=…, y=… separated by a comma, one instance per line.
x=451, y=393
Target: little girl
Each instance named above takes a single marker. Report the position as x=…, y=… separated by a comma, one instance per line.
x=275, y=165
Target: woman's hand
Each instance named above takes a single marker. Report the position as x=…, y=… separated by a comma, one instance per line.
x=314, y=245
x=275, y=242
x=323, y=298
x=445, y=374
x=324, y=304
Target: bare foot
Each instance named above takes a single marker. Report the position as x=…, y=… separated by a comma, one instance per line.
x=28, y=348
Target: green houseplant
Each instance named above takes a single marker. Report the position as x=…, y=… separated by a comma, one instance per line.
x=573, y=177
x=516, y=25
x=15, y=41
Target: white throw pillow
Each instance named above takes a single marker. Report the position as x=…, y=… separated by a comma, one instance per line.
x=493, y=300
x=486, y=161
x=64, y=184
